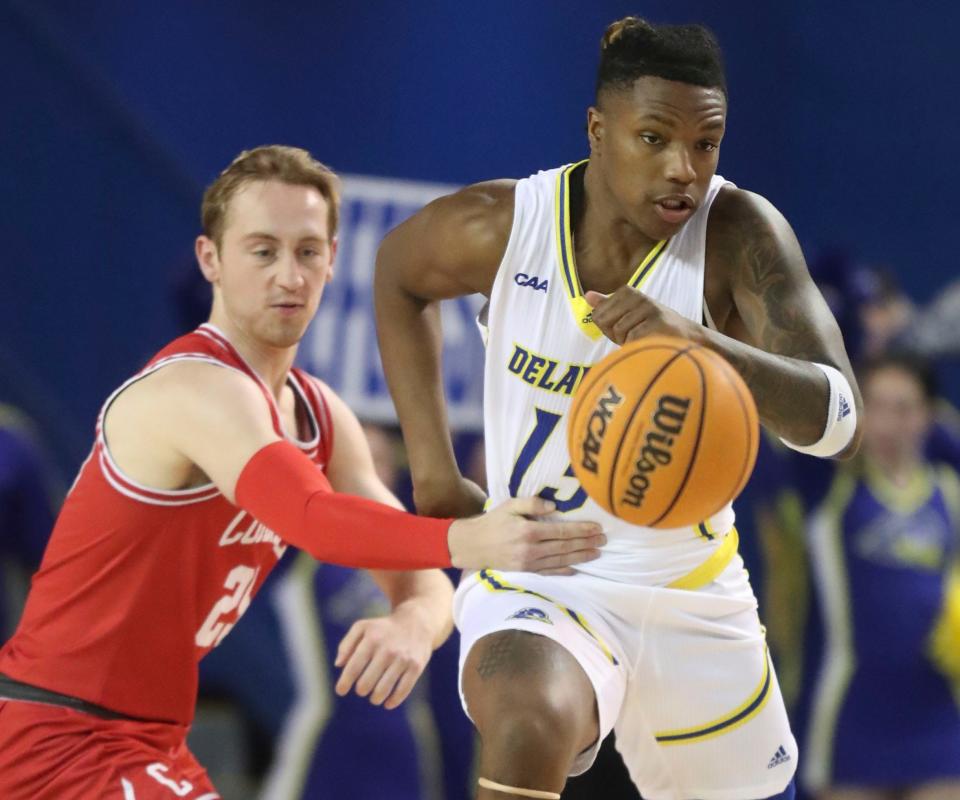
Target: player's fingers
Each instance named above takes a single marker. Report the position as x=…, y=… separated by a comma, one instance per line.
x=529, y=506
x=555, y=547
x=561, y=560
x=615, y=305
x=637, y=332
x=632, y=321
x=594, y=298
x=564, y=571
x=376, y=667
x=404, y=686
x=561, y=530
x=348, y=643
x=353, y=668
x=388, y=681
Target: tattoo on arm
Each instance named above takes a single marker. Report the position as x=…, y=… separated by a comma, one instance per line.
x=781, y=323
x=787, y=319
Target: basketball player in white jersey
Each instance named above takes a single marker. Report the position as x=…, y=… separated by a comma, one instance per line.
x=658, y=638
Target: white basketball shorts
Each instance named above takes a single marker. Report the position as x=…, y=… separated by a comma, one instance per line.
x=682, y=675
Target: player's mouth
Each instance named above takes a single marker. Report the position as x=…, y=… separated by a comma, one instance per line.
x=288, y=309
x=675, y=208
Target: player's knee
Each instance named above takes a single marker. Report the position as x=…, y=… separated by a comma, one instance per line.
x=539, y=731
x=536, y=721
x=522, y=688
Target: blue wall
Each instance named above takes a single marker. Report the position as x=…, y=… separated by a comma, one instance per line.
x=117, y=113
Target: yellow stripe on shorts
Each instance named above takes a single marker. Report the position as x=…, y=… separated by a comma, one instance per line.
x=728, y=722
x=494, y=582
x=714, y=564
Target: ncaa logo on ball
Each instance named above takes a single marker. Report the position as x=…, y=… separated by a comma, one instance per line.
x=597, y=427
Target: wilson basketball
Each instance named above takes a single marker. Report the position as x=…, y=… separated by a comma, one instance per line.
x=663, y=433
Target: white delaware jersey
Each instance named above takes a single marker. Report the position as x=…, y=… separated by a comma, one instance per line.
x=541, y=341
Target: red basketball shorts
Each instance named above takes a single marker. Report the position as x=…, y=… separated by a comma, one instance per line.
x=53, y=753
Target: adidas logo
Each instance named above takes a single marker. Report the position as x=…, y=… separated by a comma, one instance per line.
x=844, y=408
x=780, y=757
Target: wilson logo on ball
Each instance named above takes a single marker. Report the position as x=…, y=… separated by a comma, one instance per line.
x=597, y=427
x=668, y=422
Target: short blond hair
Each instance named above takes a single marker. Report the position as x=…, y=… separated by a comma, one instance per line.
x=291, y=165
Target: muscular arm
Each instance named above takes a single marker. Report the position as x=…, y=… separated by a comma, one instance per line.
x=785, y=318
x=190, y=422
x=775, y=322
x=424, y=595
x=452, y=247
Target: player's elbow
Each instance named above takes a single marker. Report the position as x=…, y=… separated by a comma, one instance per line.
x=390, y=276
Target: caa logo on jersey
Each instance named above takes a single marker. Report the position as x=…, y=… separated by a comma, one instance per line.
x=532, y=613
x=532, y=281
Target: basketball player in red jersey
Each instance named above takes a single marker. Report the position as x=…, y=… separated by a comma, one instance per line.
x=206, y=466
x=659, y=638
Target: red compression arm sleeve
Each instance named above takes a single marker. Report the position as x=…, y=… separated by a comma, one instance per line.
x=289, y=494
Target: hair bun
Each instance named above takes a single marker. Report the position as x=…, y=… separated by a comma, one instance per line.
x=616, y=30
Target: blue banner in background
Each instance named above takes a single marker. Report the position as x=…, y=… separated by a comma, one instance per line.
x=341, y=345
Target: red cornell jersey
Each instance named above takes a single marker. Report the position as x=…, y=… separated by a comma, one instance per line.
x=138, y=584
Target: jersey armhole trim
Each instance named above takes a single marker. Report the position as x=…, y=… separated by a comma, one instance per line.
x=126, y=485
x=321, y=411
x=303, y=387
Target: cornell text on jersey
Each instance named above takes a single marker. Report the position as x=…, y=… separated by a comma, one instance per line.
x=253, y=533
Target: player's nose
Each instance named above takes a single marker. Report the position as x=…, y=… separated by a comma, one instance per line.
x=679, y=165
x=289, y=274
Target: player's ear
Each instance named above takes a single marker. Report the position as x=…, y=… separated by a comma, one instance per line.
x=595, y=128
x=208, y=258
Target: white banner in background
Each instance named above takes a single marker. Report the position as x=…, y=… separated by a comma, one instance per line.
x=341, y=345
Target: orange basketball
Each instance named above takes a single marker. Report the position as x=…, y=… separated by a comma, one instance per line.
x=663, y=433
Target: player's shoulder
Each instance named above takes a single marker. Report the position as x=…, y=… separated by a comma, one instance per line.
x=484, y=204
x=740, y=225
x=462, y=236
x=184, y=384
x=735, y=208
x=190, y=373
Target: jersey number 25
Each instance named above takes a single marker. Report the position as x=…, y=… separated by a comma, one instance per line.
x=240, y=581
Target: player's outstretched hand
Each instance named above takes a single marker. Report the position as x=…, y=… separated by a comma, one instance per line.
x=383, y=657
x=509, y=537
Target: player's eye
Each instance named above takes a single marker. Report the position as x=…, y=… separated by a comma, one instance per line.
x=708, y=147
x=651, y=138
x=263, y=252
